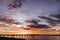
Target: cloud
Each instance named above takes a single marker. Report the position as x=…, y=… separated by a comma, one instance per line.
x=33, y=23
x=50, y=20
x=31, y=9
x=16, y=4
x=5, y=19
x=56, y=15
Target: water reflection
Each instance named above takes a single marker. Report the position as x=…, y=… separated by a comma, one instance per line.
x=34, y=37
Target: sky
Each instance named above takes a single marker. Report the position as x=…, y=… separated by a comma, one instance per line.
x=30, y=9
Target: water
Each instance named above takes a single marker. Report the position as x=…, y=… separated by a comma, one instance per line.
x=34, y=37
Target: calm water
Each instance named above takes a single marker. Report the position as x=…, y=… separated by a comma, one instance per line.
x=34, y=37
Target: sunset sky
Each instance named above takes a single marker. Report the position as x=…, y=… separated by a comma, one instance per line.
x=29, y=9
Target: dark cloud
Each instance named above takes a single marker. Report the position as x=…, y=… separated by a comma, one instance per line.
x=57, y=0
x=32, y=8
x=43, y=26
x=36, y=24
x=32, y=21
x=51, y=21
x=6, y=19
x=43, y=17
x=16, y=4
x=56, y=15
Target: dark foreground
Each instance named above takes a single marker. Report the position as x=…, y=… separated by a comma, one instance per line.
x=6, y=38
